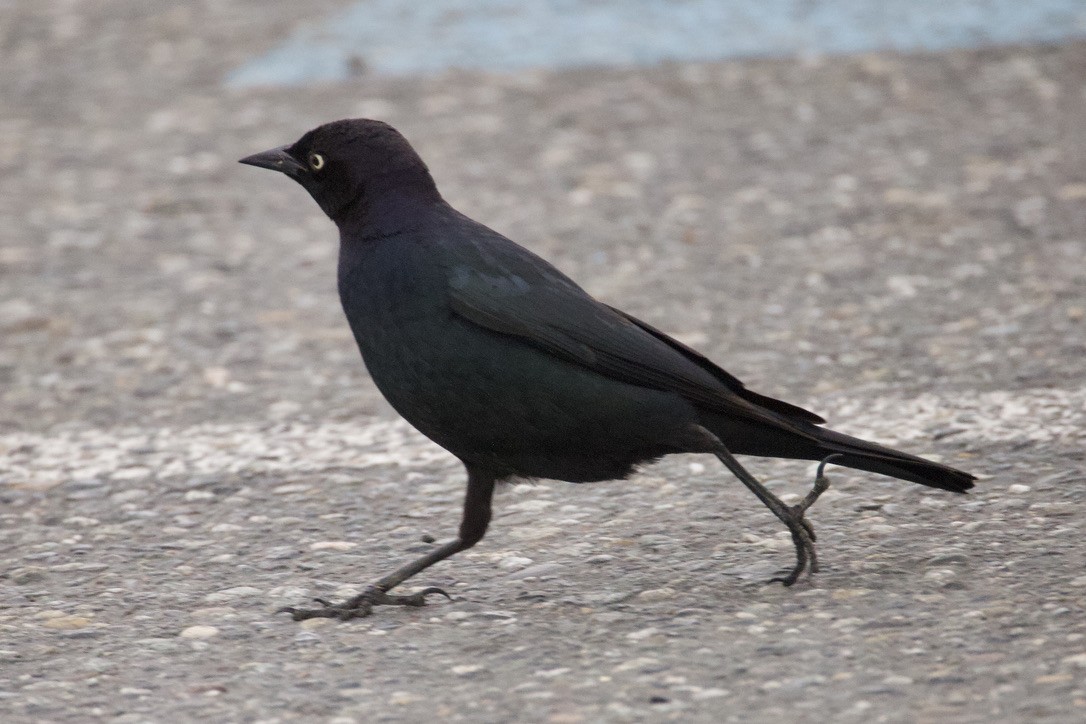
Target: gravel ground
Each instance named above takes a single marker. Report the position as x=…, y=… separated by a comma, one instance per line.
x=188, y=439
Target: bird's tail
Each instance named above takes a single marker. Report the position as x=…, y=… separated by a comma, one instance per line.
x=818, y=443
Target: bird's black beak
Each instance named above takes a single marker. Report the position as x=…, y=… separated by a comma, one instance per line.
x=277, y=159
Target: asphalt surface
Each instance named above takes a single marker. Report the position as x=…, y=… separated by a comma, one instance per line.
x=188, y=439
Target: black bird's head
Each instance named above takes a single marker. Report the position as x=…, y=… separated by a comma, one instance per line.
x=348, y=166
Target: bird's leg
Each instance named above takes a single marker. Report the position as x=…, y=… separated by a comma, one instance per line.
x=803, y=535
x=472, y=529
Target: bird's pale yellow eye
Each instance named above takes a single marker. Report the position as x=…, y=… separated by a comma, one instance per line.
x=316, y=161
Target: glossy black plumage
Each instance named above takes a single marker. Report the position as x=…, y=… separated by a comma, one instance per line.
x=504, y=361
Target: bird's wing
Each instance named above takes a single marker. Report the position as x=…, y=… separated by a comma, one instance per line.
x=728, y=379
x=532, y=301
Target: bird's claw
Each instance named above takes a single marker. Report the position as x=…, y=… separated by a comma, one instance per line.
x=361, y=605
x=803, y=535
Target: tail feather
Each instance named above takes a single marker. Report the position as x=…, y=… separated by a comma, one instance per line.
x=864, y=455
x=744, y=438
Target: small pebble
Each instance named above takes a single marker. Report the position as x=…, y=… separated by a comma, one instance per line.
x=306, y=637
x=536, y=571
x=657, y=594
x=228, y=594
x=333, y=545
x=897, y=680
x=199, y=632
x=467, y=669
x=28, y=574
x=67, y=623
x=1076, y=660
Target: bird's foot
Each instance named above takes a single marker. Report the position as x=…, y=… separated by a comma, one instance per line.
x=803, y=535
x=361, y=605
x=804, y=539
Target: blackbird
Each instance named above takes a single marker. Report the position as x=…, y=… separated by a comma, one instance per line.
x=505, y=362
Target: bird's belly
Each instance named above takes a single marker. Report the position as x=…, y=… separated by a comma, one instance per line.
x=493, y=400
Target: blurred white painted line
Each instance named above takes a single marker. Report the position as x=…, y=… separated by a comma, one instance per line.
x=1048, y=416
x=40, y=461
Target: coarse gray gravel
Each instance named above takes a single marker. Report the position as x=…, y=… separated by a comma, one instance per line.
x=188, y=439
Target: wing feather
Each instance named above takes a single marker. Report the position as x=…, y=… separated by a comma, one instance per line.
x=549, y=311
